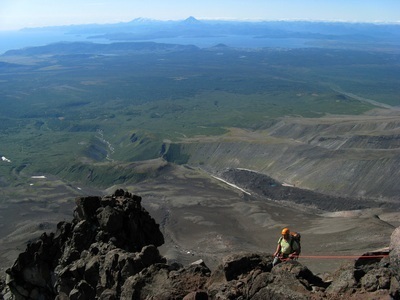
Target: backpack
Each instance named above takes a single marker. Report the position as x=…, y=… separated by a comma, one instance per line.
x=296, y=236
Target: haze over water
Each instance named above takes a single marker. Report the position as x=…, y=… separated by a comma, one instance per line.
x=10, y=40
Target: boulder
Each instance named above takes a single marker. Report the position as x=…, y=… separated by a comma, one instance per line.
x=394, y=257
x=344, y=282
x=235, y=265
x=86, y=208
x=111, y=219
x=395, y=251
x=375, y=279
x=163, y=282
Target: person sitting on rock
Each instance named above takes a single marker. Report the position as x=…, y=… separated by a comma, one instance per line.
x=287, y=248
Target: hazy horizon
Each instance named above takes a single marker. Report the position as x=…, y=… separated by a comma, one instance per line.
x=205, y=20
x=19, y=14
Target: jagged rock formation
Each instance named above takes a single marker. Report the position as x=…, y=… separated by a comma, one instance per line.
x=109, y=251
x=109, y=239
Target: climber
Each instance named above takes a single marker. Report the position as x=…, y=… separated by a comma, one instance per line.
x=288, y=247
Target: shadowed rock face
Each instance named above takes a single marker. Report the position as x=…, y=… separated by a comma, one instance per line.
x=109, y=239
x=109, y=251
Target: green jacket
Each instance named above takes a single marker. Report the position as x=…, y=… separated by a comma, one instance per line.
x=289, y=246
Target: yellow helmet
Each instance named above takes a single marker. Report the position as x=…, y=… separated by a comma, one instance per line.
x=285, y=231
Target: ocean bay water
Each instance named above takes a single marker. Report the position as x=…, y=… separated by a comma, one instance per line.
x=10, y=40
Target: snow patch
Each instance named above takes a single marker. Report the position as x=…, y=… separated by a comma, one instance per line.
x=3, y=158
x=232, y=185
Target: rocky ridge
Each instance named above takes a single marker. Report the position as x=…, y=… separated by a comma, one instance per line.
x=266, y=187
x=109, y=251
x=326, y=155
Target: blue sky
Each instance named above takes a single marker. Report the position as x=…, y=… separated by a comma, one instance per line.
x=16, y=14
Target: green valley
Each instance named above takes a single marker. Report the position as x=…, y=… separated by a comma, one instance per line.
x=67, y=111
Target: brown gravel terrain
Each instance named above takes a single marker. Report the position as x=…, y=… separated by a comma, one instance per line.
x=203, y=217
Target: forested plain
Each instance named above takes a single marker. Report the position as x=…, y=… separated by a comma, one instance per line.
x=63, y=107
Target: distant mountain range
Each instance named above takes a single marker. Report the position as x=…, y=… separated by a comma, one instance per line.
x=147, y=29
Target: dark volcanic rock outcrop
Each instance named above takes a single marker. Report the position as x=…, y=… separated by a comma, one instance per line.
x=266, y=187
x=109, y=240
x=109, y=251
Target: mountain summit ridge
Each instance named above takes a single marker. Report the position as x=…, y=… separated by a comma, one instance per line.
x=109, y=251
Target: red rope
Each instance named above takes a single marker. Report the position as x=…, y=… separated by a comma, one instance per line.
x=341, y=256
